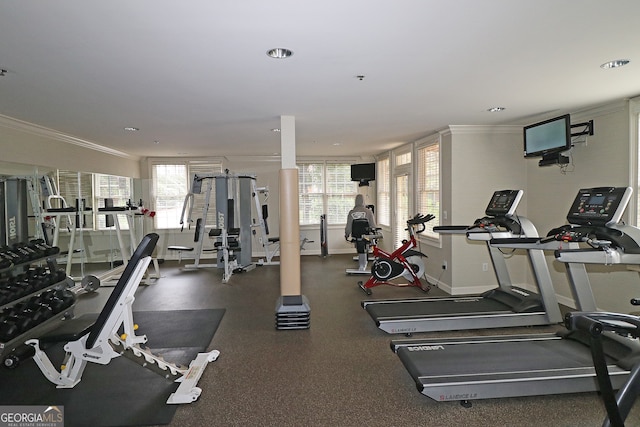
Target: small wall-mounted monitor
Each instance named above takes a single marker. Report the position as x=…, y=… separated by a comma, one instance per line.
x=363, y=173
x=548, y=139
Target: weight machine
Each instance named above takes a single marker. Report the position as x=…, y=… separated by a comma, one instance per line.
x=232, y=206
x=271, y=245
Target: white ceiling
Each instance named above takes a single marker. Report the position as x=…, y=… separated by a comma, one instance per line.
x=194, y=75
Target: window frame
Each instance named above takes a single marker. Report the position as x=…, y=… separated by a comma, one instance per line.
x=383, y=191
x=420, y=181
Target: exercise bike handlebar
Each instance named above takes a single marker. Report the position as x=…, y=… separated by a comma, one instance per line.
x=420, y=219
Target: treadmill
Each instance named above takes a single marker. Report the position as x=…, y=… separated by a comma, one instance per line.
x=484, y=367
x=503, y=306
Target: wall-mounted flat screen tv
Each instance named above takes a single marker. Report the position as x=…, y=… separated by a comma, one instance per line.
x=363, y=172
x=548, y=137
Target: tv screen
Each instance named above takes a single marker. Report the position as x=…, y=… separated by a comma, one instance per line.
x=363, y=172
x=549, y=136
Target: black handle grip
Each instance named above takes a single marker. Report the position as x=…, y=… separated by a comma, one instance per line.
x=583, y=323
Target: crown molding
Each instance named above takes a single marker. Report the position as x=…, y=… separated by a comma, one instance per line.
x=41, y=131
x=484, y=129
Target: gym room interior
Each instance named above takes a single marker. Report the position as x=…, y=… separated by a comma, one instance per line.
x=179, y=175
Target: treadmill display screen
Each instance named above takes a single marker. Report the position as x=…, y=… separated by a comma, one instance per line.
x=599, y=206
x=503, y=203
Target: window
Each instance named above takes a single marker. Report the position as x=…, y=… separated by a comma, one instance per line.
x=171, y=184
x=75, y=190
x=68, y=187
x=402, y=209
x=428, y=184
x=383, y=197
x=403, y=159
x=325, y=188
x=311, y=190
x=402, y=192
x=113, y=187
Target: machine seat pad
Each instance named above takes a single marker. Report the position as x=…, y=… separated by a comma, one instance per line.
x=113, y=209
x=180, y=248
x=70, y=209
x=274, y=239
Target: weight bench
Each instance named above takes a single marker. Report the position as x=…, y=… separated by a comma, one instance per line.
x=96, y=338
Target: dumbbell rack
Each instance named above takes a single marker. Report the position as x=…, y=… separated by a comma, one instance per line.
x=16, y=343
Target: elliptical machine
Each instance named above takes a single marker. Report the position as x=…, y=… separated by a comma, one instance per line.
x=404, y=262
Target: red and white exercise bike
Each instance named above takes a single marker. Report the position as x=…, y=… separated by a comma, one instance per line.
x=404, y=262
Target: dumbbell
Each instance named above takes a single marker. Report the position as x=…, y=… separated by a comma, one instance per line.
x=8, y=254
x=5, y=263
x=56, y=304
x=8, y=330
x=12, y=293
x=57, y=275
x=19, y=355
x=66, y=296
x=15, y=325
x=40, y=245
x=27, y=252
x=41, y=314
x=23, y=287
x=6, y=296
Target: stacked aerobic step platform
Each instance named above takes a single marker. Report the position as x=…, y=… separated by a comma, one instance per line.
x=293, y=312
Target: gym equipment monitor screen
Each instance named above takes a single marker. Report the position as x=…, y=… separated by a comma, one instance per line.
x=549, y=136
x=503, y=203
x=599, y=206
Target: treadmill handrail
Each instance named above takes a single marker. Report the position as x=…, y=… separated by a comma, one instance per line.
x=451, y=229
x=544, y=244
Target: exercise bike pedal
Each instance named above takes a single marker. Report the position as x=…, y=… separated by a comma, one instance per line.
x=366, y=290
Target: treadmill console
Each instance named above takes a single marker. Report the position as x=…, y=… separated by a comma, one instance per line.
x=504, y=203
x=601, y=206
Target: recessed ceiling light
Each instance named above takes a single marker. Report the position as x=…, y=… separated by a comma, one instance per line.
x=336, y=143
x=496, y=109
x=131, y=129
x=275, y=130
x=156, y=142
x=279, y=53
x=615, y=63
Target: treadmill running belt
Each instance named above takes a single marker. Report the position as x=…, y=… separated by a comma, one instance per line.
x=435, y=308
x=500, y=366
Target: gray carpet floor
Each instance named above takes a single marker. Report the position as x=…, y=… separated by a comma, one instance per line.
x=340, y=372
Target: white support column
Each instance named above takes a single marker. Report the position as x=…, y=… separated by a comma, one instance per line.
x=289, y=213
x=292, y=308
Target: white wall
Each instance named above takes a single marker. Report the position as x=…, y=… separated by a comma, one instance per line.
x=477, y=160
